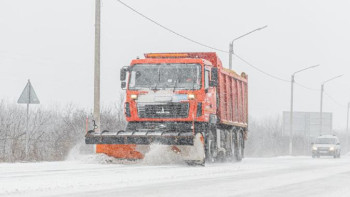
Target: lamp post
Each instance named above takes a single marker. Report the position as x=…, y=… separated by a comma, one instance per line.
x=347, y=128
x=291, y=108
x=321, y=103
x=231, y=44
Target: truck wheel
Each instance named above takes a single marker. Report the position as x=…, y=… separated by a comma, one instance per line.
x=196, y=163
x=232, y=146
x=211, y=149
x=238, y=146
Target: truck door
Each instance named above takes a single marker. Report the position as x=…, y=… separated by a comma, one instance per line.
x=209, y=105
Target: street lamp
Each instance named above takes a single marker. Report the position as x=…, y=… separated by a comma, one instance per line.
x=321, y=105
x=231, y=44
x=291, y=108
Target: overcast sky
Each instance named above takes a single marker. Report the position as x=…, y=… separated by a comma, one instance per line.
x=52, y=43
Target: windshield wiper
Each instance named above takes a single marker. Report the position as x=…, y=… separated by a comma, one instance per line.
x=175, y=85
x=155, y=87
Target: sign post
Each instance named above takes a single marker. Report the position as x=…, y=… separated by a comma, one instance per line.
x=28, y=96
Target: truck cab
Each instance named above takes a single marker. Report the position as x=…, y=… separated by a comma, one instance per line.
x=173, y=89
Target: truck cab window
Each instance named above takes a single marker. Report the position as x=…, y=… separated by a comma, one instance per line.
x=206, y=79
x=162, y=76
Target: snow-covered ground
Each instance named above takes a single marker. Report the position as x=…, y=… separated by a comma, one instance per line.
x=102, y=176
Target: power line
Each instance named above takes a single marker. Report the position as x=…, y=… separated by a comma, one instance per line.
x=308, y=88
x=260, y=70
x=170, y=30
x=334, y=101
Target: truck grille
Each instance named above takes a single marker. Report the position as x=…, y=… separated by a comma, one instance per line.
x=169, y=110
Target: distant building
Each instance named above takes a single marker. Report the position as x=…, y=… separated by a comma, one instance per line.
x=307, y=123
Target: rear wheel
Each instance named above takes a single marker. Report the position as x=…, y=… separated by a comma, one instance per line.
x=238, y=146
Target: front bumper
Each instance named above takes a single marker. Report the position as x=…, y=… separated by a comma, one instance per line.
x=323, y=152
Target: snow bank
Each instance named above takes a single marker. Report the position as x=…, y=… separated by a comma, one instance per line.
x=160, y=154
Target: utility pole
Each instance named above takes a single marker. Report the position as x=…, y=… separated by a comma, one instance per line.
x=347, y=128
x=230, y=55
x=291, y=118
x=97, y=117
x=321, y=105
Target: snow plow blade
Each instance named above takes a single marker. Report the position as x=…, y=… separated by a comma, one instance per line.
x=140, y=138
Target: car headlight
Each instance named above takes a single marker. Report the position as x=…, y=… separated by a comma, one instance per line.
x=314, y=148
x=331, y=148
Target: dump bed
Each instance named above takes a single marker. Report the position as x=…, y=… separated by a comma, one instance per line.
x=233, y=98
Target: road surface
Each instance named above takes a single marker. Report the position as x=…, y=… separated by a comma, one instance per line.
x=99, y=176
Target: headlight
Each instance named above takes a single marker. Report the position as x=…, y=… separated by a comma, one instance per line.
x=314, y=148
x=331, y=148
x=133, y=96
x=190, y=96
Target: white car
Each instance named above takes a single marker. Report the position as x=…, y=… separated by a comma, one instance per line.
x=326, y=145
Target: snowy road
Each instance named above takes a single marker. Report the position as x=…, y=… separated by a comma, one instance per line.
x=283, y=176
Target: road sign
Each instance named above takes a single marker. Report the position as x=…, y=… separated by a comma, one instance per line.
x=307, y=123
x=28, y=95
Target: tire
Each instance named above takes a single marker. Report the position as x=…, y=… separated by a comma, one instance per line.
x=211, y=148
x=238, y=146
x=196, y=163
x=232, y=156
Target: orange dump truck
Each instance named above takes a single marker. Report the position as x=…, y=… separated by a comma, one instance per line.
x=186, y=101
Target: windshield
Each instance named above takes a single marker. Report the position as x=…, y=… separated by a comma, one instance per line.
x=161, y=76
x=325, y=141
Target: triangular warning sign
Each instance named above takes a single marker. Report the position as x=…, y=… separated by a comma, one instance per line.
x=28, y=95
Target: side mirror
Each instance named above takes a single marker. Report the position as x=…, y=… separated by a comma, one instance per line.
x=123, y=73
x=123, y=85
x=214, y=74
x=213, y=83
